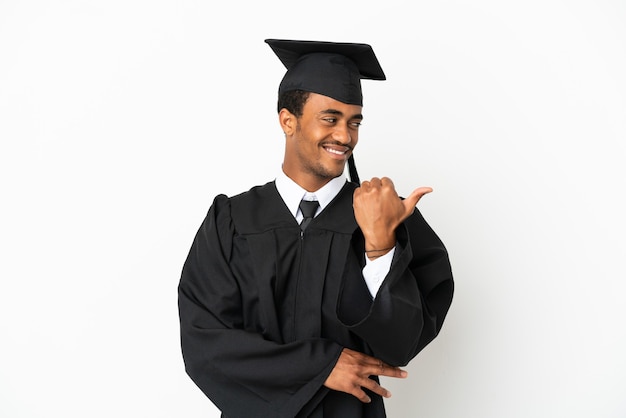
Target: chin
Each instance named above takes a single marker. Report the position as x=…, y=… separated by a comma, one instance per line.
x=331, y=174
x=326, y=171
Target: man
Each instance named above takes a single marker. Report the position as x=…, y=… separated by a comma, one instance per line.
x=286, y=313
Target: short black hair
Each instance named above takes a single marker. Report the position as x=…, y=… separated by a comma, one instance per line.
x=293, y=101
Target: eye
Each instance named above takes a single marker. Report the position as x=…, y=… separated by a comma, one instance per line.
x=330, y=120
x=356, y=124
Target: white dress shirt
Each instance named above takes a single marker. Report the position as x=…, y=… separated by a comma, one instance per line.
x=375, y=270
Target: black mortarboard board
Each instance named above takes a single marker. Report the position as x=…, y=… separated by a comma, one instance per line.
x=333, y=69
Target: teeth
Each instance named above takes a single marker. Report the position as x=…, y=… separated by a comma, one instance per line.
x=334, y=151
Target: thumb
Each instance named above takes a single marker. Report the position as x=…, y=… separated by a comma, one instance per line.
x=414, y=197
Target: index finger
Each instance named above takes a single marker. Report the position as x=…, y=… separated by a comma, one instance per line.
x=390, y=371
x=387, y=181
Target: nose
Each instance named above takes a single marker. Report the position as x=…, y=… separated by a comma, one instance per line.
x=342, y=134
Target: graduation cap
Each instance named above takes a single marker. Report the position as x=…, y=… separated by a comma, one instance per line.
x=332, y=69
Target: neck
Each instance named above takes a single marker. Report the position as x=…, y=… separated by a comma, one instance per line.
x=308, y=182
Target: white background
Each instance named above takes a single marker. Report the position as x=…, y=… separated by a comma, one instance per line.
x=121, y=120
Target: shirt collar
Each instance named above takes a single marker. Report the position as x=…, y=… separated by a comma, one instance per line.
x=292, y=193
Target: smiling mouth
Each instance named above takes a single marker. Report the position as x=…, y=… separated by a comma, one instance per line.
x=339, y=151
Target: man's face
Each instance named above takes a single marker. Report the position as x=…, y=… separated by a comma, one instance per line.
x=323, y=139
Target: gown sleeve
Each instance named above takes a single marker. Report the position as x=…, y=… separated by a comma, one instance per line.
x=243, y=373
x=413, y=300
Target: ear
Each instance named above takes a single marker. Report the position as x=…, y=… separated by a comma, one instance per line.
x=288, y=121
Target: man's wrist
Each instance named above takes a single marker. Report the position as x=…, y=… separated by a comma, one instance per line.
x=374, y=253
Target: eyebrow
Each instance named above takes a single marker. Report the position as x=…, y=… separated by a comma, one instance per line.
x=337, y=112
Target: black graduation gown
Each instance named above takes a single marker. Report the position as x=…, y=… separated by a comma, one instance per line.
x=265, y=311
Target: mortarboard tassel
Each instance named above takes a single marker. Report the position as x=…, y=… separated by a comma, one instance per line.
x=354, y=176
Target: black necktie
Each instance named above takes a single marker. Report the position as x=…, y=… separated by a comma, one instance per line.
x=308, y=208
